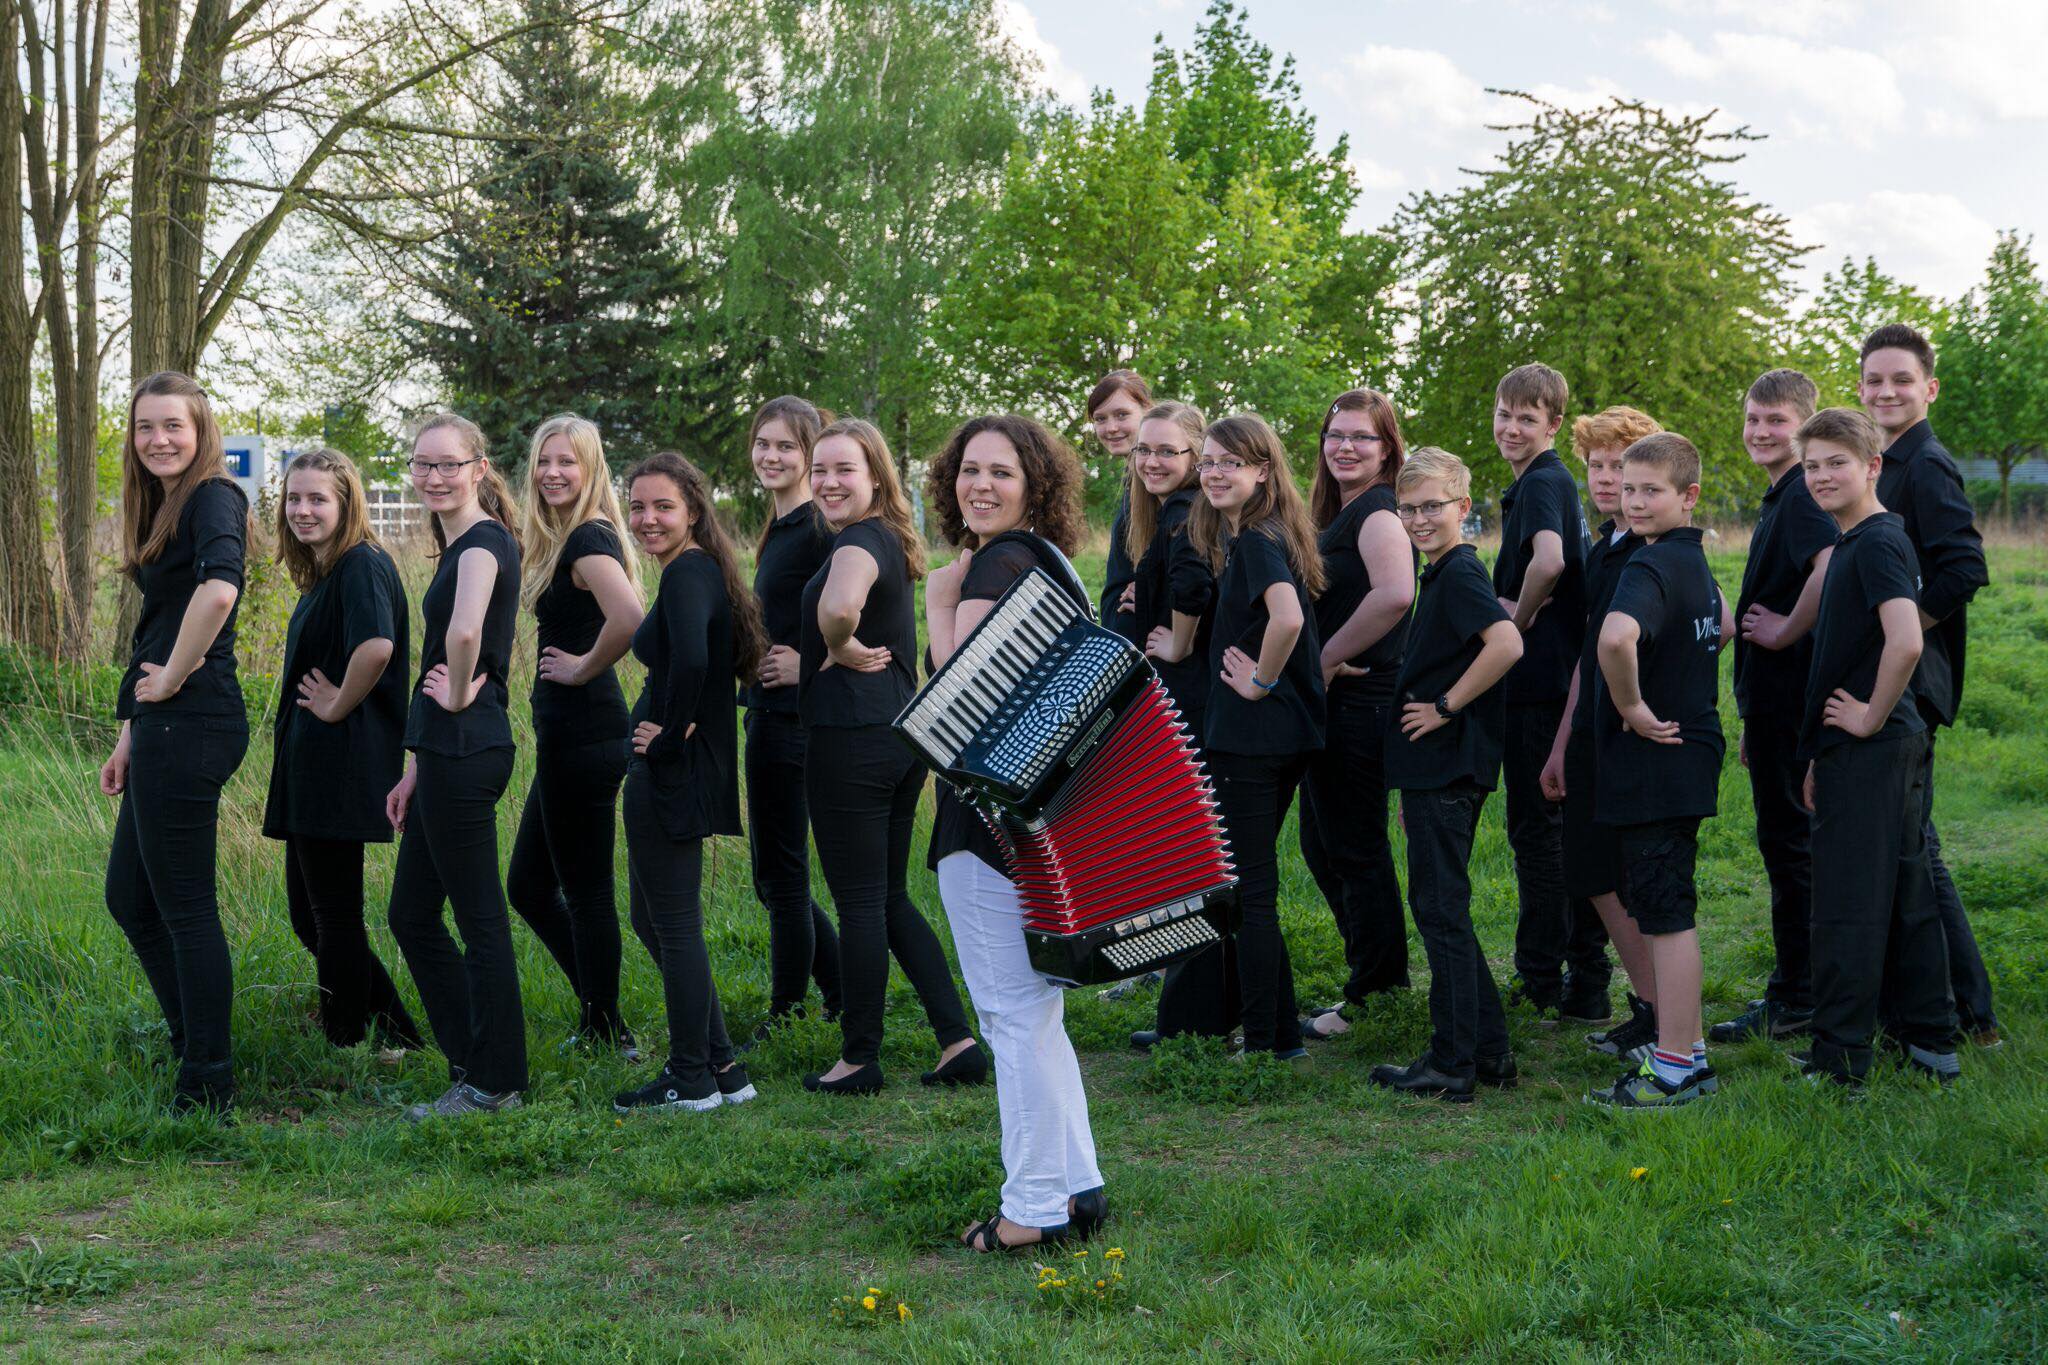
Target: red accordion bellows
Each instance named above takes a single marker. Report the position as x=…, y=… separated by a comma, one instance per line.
x=1137, y=827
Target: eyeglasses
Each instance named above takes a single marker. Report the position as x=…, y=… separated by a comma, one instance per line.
x=445, y=468
x=1157, y=453
x=1354, y=439
x=1228, y=466
x=1428, y=511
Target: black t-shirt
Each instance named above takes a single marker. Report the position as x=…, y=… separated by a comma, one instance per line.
x=797, y=546
x=1873, y=563
x=840, y=696
x=1347, y=583
x=1289, y=719
x=1118, y=573
x=1790, y=530
x=1453, y=608
x=482, y=724
x=1604, y=558
x=207, y=545
x=686, y=641
x=1544, y=498
x=570, y=619
x=329, y=781
x=1670, y=592
x=1921, y=484
x=1173, y=575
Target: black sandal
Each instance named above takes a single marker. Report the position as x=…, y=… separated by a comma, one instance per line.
x=986, y=1236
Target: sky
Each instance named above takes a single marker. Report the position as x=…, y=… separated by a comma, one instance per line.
x=1908, y=130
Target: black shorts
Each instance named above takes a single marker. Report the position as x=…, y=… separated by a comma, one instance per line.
x=1657, y=864
x=1592, y=851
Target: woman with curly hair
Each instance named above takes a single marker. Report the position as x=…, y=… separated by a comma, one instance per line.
x=1008, y=493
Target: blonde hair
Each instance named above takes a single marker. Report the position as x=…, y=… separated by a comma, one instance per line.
x=804, y=420
x=492, y=494
x=1618, y=427
x=1672, y=455
x=307, y=564
x=544, y=529
x=1785, y=388
x=1247, y=437
x=1427, y=464
x=1143, y=518
x=149, y=509
x=1849, y=428
x=891, y=504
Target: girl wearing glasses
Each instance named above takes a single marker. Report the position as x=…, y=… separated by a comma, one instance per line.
x=1115, y=408
x=585, y=599
x=1267, y=717
x=445, y=807
x=1362, y=618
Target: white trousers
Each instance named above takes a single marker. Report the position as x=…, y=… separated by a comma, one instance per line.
x=1048, y=1152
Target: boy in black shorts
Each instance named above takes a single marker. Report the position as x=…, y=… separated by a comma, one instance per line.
x=1657, y=739
x=1444, y=757
x=1875, y=923
x=1788, y=558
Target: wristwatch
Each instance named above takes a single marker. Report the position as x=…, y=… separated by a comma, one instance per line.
x=1443, y=707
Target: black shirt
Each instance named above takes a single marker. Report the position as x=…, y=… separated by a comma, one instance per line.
x=686, y=642
x=1288, y=719
x=1544, y=498
x=1604, y=558
x=839, y=696
x=1790, y=530
x=570, y=619
x=482, y=724
x=1453, y=608
x=1873, y=563
x=1670, y=592
x=1347, y=581
x=1921, y=483
x=1118, y=573
x=329, y=781
x=207, y=545
x=1173, y=575
x=797, y=545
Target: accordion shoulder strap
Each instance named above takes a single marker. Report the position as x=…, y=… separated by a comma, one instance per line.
x=1054, y=561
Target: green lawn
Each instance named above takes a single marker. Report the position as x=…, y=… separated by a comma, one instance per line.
x=1265, y=1215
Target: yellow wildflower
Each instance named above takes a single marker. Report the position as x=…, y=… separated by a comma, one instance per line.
x=1638, y=1172
x=903, y=1312
x=1101, y=1284
x=868, y=1302
x=1113, y=1254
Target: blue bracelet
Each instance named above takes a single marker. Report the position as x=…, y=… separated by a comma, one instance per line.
x=1265, y=686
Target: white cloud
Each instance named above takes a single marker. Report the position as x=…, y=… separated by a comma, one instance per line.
x=1800, y=18
x=1412, y=87
x=1020, y=26
x=1837, y=93
x=1989, y=51
x=1935, y=242
x=1374, y=175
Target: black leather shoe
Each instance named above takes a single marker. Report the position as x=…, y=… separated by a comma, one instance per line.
x=1421, y=1078
x=1582, y=1006
x=1089, y=1211
x=969, y=1066
x=1144, y=1038
x=865, y=1081
x=1499, y=1072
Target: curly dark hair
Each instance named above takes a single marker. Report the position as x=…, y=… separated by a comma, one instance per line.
x=1052, y=481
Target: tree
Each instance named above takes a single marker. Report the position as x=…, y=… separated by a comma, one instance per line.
x=1853, y=302
x=1606, y=244
x=1994, y=363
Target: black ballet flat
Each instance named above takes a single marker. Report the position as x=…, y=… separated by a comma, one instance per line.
x=865, y=1081
x=968, y=1067
x=1089, y=1212
x=986, y=1236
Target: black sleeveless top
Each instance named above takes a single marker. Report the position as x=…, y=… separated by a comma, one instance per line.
x=570, y=619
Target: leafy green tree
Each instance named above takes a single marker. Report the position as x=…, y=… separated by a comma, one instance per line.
x=1994, y=364
x=1851, y=303
x=1608, y=244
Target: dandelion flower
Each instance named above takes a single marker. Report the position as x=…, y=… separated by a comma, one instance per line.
x=1638, y=1172
x=868, y=1302
x=903, y=1312
x=1113, y=1254
x=1102, y=1284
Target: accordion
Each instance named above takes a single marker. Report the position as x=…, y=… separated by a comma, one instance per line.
x=1060, y=735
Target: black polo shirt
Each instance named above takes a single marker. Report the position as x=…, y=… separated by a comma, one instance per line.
x=1670, y=592
x=1289, y=719
x=796, y=546
x=570, y=619
x=1453, y=608
x=1174, y=576
x=329, y=781
x=1118, y=573
x=207, y=545
x=840, y=696
x=686, y=641
x=482, y=724
x=1604, y=560
x=1920, y=482
x=1347, y=581
x=1873, y=563
x=1544, y=498
x=1790, y=530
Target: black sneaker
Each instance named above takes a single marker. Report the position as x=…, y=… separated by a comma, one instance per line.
x=734, y=1087
x=463, y=1098
x=1935, y=1066
x=1420, y=1077
x=1135, y=987
x=1763, y=1019
x=1143, y=1039
x=665, y=1092
x=1633, y=1039
x=1583, y=1006
x=1645, y=1091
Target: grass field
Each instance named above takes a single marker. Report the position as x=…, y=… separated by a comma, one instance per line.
x=1263, y=1214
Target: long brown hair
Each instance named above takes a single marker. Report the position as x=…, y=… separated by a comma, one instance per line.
x=149, y=510
x=492, y=493
x=543, y=530
x=1325, y=498
x=1144, y=514
x=805, y=420
x=306, y=564
x=891, y=504
x=1052, y=481
x=707, y=532
x=1276, y=501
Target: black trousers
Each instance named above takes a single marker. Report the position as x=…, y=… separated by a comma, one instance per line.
x=863, y=785
x=323, y=885
x=1967, y=977
x=1876, y=929
x=802, y=946
x=1254, y=792
x=1344, y=841
x=560, y=877
x=1466, y=1021
x=449, y=855
x=1784, y=839
x=1554, y=931
x=160, y=882
x=665, y=883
